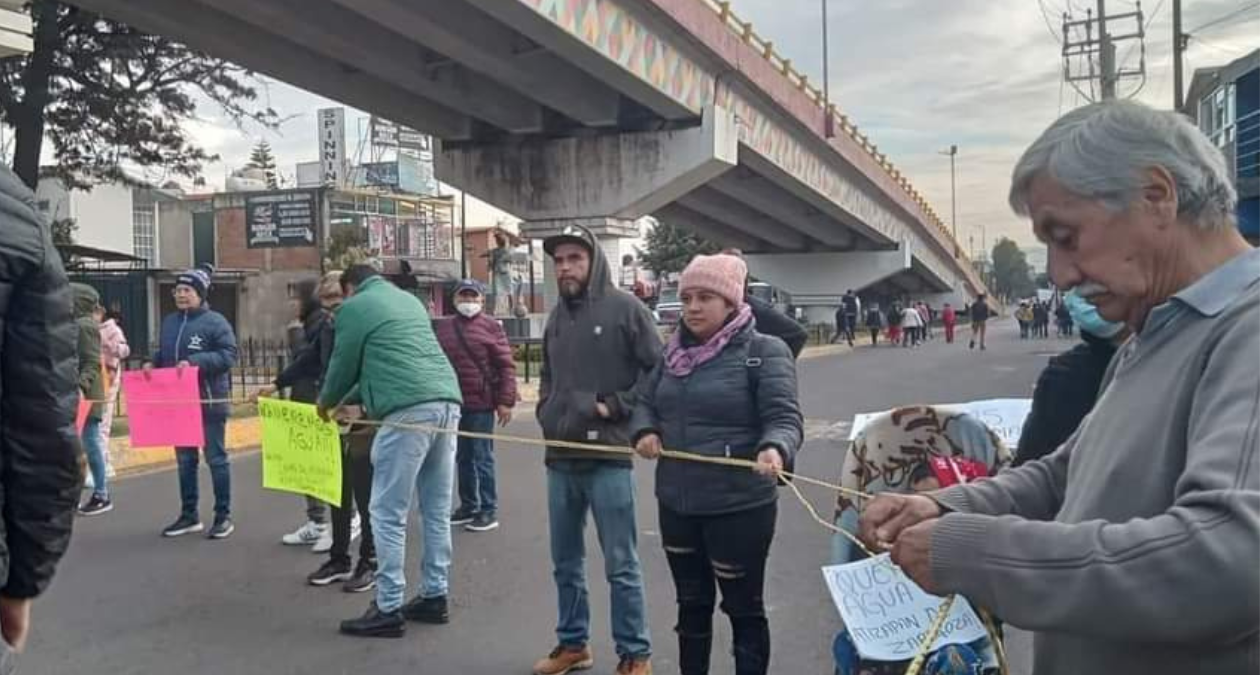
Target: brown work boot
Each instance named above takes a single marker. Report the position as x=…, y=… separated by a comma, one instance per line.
x=634, y=665
x=564, y=659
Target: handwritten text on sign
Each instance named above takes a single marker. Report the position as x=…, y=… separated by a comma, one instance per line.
x=301, y=453
x=888, y=615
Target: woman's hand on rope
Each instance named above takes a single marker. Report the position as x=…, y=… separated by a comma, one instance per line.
x=769, y=462
x=888, y=515
x=648, y=446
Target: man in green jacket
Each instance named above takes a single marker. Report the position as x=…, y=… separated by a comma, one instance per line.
x=387, y=358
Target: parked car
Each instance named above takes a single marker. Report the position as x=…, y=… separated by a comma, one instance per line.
x=669, y=308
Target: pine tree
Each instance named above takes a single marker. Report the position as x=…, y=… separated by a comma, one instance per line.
x=262, y=159
x=668, y=248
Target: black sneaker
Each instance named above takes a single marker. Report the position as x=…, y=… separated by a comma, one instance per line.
x=462, y=516
x=375, y=623
x=330, y=572
x=483, y=522
x=95, y=506
x=427, y=610
x=364, y=578
x=184, y=525
x=222, y=529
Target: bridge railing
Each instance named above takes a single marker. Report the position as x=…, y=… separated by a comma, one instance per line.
x=744, y=30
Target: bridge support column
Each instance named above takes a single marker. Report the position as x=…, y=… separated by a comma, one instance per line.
x=817, y=280
x=604, y=182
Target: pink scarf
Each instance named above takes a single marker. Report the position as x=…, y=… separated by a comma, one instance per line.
x=680, y=360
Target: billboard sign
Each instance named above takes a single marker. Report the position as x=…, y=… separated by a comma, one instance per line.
x=332, y=145
x=281, y=219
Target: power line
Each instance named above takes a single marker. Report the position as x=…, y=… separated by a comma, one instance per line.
x=1041, y=4
x=1227, y=17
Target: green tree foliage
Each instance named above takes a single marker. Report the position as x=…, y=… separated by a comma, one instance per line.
x=261, y=158
x=346, y=246
x=668, y=248
x=107, y=96
x=1012, y=277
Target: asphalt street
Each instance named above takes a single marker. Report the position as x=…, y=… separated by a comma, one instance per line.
x=127, y=601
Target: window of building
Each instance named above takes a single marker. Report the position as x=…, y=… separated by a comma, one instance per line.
x=144, y=232
x=1217, y=115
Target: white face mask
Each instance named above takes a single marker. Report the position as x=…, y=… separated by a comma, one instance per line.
x=468, y=309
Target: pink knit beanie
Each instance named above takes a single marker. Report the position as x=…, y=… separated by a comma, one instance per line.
x=722, y=274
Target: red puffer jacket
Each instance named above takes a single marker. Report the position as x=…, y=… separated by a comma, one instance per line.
x=482, y=360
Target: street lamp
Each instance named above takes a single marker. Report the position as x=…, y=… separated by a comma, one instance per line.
x=953, y=191
x=828, y=123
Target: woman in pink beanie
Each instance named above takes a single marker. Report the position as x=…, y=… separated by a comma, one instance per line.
x=721, y=390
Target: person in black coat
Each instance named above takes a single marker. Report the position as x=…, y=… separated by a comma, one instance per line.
x=770, y=321
x=1068, y=388
x=39, y=393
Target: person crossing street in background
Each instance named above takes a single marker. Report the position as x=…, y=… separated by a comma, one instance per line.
x=949, y=319
x=979, y=320
x=196, y=335
x=386, y=356
x=599, y=343
x=479, y=351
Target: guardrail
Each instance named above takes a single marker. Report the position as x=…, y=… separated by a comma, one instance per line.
x=744, y=30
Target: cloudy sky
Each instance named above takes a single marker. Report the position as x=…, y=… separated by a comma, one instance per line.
x=916, y=76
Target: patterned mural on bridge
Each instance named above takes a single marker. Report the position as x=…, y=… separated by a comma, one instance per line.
x=613, y=32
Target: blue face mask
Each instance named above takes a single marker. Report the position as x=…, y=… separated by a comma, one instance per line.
x=1086, y=316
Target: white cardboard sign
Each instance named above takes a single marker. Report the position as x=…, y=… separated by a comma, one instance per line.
x=888, y=616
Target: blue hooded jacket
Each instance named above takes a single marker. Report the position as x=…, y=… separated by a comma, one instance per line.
x=205, y=339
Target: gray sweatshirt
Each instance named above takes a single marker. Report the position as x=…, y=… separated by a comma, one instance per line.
x=595, y=349
x=1134, y=548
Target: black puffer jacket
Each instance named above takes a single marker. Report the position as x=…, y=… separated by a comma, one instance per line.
x=39, y=475
x=1066, y=391
x=739, y=403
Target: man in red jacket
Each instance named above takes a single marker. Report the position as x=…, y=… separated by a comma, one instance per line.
x=479, y=351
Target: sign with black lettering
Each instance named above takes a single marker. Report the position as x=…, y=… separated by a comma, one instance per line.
x=281, y=219
x=888, y=616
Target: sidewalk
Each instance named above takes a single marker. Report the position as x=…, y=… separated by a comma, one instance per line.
x=245, y=433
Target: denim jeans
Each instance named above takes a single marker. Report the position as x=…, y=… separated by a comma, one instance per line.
x=95, y=455
x=215, y=449
x=607, y=491
x=475, y=458
x=404, y=461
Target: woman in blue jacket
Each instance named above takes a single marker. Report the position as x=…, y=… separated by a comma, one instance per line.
x=721, y=389
x=196, y=335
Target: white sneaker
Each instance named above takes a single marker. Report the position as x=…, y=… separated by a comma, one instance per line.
x=324, y=543
x=308, y=534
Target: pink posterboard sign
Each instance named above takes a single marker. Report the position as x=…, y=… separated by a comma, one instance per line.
x=164, y=409
x=80, y=417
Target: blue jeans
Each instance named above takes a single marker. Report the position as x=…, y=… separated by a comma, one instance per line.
x=404, y=461
x=220, y=471
x=475, y=459
x=92, y=447
x=607, y=491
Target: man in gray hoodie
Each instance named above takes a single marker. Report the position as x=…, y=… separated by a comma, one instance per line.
x=599, y=342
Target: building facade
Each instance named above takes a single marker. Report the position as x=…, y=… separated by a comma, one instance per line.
x=1225, y=102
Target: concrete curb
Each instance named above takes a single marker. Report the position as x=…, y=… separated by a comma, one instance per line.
x=245, y=433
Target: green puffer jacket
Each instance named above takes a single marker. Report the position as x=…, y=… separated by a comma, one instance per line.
x=385, y=346
x=91, y=380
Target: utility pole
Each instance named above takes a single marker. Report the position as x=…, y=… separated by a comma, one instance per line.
x=1106, y=56
x=1101, y=43
x=828, y=123
x=463, y=234
x=1179, y=50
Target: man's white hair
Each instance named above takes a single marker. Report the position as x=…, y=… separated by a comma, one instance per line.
x=1102, y=151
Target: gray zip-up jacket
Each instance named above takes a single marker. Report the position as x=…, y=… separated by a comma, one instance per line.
x=595, y=348
x=742, y=401
x=1133, y=548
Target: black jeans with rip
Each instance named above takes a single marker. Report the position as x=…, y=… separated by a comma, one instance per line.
x=725, y=551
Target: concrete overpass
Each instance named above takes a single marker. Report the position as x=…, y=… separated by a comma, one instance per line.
x=601, y=112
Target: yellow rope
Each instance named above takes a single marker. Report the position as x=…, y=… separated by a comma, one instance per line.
x=924, y=649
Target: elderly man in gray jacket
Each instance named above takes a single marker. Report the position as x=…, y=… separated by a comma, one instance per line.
x=1132, y=549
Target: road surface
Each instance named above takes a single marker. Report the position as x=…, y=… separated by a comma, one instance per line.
x=129, y=602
